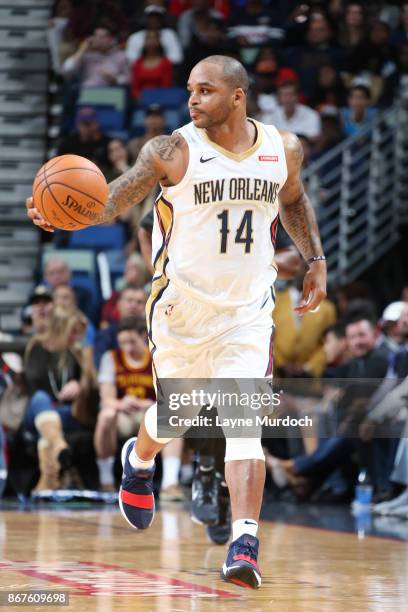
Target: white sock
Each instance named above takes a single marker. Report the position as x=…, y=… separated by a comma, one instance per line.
x=139, y=464
x=105, y=467
x=242, y=526
x=171, y=468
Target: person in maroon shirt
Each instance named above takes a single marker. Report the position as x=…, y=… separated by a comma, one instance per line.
x=153, y=69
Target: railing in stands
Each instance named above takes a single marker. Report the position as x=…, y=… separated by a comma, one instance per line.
x=359, y=190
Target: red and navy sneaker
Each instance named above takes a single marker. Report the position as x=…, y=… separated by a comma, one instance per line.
x=136, y=498
x=241, y=566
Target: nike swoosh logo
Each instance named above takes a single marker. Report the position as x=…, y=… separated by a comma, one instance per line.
x=249, y=523
x=206, y=160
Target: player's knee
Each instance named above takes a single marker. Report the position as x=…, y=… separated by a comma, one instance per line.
x=237, y=449
x=150, y=421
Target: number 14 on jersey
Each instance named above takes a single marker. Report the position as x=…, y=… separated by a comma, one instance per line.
x=243, y=234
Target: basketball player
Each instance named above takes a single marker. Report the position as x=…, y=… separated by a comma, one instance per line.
x=220, y=177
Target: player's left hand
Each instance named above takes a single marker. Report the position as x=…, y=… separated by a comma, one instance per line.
x=36, y=218
x=314, y=288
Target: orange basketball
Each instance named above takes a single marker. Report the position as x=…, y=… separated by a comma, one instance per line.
x=70, y=192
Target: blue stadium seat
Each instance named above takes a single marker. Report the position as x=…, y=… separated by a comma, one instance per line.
x=171, y=97
x=99, y=237
x=116, y=262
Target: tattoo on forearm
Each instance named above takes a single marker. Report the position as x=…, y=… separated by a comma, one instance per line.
x=299, y=220
x=134, y=185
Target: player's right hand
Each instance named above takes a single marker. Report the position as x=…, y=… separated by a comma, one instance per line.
x=36, y=218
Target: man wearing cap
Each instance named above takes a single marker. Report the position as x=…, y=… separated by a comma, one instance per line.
x=154, y=125
x=87, y=139
x=391, y=332
x=41, y=303
x=154, y=20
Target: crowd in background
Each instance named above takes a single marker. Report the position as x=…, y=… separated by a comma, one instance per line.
x=321, y=70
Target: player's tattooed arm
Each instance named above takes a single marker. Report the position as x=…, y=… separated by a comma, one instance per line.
x=295, y=210
x=299, y=220
x=134, y=185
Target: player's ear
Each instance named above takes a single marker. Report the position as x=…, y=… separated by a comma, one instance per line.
x=239, y=94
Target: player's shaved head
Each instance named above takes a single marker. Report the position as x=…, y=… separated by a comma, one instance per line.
x=233, y=72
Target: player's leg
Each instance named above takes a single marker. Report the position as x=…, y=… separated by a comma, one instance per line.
x=136, y=498
x=246, y=356
x=205, y=486
x=245, y=479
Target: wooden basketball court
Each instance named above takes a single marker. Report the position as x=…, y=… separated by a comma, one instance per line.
x=106, y=566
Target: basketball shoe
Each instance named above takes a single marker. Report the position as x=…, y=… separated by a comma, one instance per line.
x=204, y=497
x=241, y=565
x=221, y=531
x=136, y=498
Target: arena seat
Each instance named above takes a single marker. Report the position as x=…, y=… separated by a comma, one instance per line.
x=98, y=238
x=116, y=262
x=169, y=97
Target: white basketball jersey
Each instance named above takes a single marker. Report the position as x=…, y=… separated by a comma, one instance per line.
x=212, y=234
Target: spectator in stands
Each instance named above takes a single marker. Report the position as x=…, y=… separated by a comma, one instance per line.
x=118, y=157
x=353, y=28
x=13, y=392
x=87, y=139
x=292, y=116
x=400, y=36
x=396, y=84
x=65, y=298
x=267, y=78
x=126, y=382
x=131, y=303
x=335, y=348
x=317, y=51
x=331, y=135
x=298, y=347
x=375, y=55
x=154, y=20
x=254, y=24
x=144, y=235
x=193, y=23
x=390, y=327
x=57, y=272
x=41, y=302
x=135, y=275
x=126, y=387
x=53, y=368
x=98, y=62
x=154, y=124
x=358, y=114
x=330, y=89
x=153, y=69
x=388, y=407
x=84, y=16
x=214, y=42
x=57, y=32
x=368, y=362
